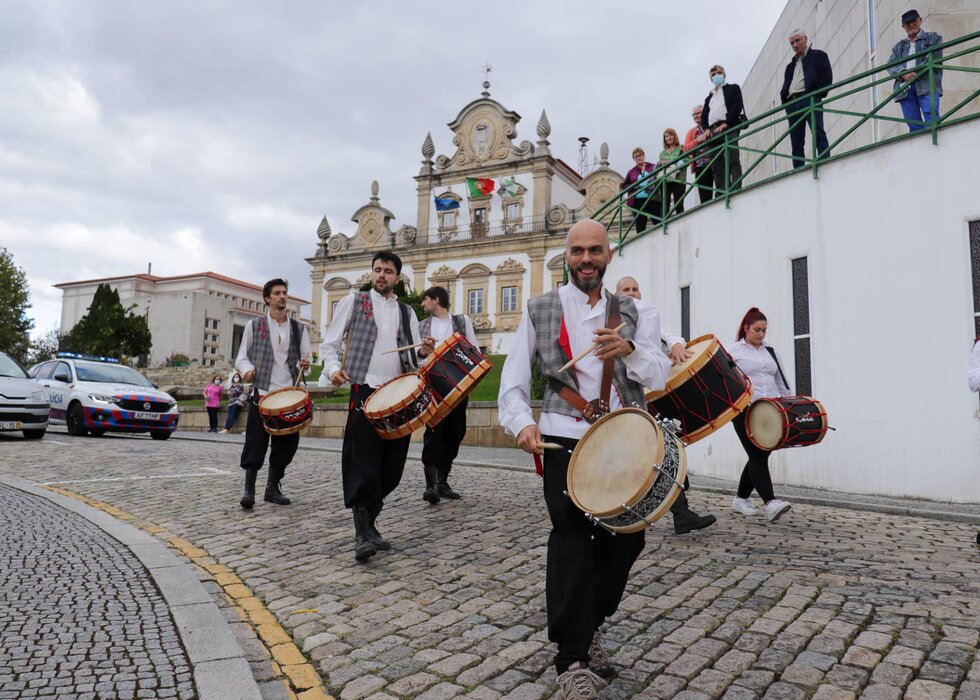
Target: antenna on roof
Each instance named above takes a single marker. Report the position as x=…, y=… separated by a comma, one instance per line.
x=149, y=268
x=584, y=166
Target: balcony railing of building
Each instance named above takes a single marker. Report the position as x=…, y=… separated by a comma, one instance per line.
x=951, y=57
x=478, y=232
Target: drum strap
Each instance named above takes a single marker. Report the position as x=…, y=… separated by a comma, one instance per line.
x=781, y=375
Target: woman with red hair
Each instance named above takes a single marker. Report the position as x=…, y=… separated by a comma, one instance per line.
x=760, y=363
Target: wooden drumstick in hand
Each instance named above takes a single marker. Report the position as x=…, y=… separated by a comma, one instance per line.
x=404, y=347
x=588, y=350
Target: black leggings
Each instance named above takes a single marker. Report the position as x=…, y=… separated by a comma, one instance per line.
x=755, y=474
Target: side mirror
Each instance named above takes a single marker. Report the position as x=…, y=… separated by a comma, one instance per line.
x=155, y=385
x=62, y=376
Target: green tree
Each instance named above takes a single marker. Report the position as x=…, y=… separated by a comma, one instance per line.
x=110, y=329
x=44, y=347
x=15, y=326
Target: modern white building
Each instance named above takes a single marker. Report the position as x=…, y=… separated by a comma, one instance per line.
x=201, y=315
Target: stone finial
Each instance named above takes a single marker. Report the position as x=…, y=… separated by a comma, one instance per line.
x=428, y=148
x=324, y=231
x=544, y=126
x=604, y=155
x=486, y=89
x=374, y=192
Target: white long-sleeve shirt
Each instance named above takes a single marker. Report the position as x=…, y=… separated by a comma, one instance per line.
x=646, y=365
x=387, y=317
x=668, y=338
x=973, y=371
x=442, y=328
x=279, y=337
x=758, y=364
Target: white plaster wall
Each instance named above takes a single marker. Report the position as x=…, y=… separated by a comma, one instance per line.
x=891, y=311
x=563, y=193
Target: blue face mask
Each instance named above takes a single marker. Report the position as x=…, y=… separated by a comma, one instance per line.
x=718, y=78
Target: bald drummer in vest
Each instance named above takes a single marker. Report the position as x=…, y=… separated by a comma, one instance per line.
x=587, y=567
x=685, y=519
x=273, y=351
x=370, y=324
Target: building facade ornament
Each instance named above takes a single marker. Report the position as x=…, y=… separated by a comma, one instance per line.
x=510, y=266
x=484, y=132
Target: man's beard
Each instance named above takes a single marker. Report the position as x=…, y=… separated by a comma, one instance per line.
x=589, y=284
x=381, y=287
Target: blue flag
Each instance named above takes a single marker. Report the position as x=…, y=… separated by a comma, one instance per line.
x=445, y=203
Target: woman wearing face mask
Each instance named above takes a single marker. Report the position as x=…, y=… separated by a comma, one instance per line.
x=723, y=111
x=212, y=402
x=237, y=397
x=760, y=363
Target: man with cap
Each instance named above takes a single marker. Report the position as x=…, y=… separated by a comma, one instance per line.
x=919, y=106
x=807, y=78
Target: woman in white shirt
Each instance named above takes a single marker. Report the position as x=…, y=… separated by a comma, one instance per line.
x=760, y=363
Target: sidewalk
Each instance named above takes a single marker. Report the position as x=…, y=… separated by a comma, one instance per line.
x=517, y=460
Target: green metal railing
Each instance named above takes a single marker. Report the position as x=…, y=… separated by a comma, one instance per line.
x=619, y=216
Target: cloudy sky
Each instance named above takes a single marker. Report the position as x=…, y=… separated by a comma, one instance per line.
x=210, y=135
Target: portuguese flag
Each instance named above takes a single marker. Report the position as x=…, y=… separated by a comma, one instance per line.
x=479, y=186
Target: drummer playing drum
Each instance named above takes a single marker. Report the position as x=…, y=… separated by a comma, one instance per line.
x=587, y=567
x=355, y=348
x=273, y=351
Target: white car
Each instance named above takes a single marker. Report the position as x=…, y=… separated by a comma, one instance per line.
x=24, y=406
x=96, y=394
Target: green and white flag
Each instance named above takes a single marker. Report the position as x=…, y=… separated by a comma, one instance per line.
x=509, y=187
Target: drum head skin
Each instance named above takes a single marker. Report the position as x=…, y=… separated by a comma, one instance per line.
x=612, y=463
x=284, y=398
x=766, y=424
x=393, y=393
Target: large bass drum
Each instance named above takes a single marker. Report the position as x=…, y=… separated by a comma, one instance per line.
x=286, y=411
x=454, y=369
x=400, y=406
x=789, y=421
x=626, y=471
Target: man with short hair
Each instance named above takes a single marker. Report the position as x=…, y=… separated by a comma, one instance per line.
x=685, y=519
x=274, y=349
x=355, y=348
x=587, y=567
x=918, y=106
x=440, y=444
x=723, y=109
x=808, y=76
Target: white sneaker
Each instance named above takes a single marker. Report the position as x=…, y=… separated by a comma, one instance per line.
x=742, y=505
x=579, y=683
x=776, y=508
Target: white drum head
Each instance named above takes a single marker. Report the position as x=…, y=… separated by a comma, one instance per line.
x=392, y=393
x=766, y=424
x=283, y=399
x=613, y=463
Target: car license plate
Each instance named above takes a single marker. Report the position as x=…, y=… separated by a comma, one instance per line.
x=140, y=415
x=10, y=425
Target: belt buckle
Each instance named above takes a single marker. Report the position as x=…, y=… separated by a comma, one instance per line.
x=595, y=409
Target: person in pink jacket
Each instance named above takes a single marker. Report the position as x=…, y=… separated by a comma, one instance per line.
x=212, y=402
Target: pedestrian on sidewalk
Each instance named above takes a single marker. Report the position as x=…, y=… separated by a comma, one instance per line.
x=237, y=397
x=274, y=349
x=212, y=402
x=760, y=363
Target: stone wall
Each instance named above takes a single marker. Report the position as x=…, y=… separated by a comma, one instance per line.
x=483, y=428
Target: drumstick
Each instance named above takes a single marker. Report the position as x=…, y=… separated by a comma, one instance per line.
x=585, y=352
x=549, y=446
x=404, y=347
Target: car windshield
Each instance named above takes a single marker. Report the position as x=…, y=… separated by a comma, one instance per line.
x=10, y=368
x=112, y=374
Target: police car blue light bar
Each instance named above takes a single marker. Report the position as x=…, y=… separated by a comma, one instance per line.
x=85, y=356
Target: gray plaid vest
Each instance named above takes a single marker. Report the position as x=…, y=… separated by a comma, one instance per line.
x=260, y=351
x=459, y=325
x=362, y=333
x=545, y=315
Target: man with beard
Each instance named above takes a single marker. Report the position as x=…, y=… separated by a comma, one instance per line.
x=370, y=324
x=587, y=567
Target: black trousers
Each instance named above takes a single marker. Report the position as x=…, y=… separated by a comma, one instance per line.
x=680, y=503
x=675, y=196
x=587, y=566
x=734, y=165
x=704, y=179
x=755, y=473
x=440, y=445
x=213, y=418
x=371, y=467
x=797, y=133
x=257, y=441
x=648, y=208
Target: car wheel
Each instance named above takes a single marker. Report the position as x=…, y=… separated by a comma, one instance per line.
x=160, y=434
x=96, y=432
x=34, y=434
x=75, y=420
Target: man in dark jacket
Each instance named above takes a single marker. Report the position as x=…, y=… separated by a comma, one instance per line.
x=808, y=78
x=723, y=110
x=918, y=98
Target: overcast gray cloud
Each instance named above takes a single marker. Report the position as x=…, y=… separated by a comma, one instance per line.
x=214, y=135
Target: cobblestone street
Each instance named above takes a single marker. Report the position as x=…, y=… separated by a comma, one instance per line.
x=825, y=603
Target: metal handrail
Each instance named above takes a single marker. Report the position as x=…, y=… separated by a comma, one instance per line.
x=619, y=216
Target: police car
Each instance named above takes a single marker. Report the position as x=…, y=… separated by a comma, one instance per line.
x=94, y=394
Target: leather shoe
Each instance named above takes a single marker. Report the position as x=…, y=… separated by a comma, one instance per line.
x=364, y=549
x=446, y=491
x=379, y=542
x=689, y=520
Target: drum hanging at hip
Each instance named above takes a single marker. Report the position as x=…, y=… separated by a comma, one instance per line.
x=626, y=471
x=704, y=392
x=789, y=421
x=454, y=369
x=285, y=411
x=400, y=406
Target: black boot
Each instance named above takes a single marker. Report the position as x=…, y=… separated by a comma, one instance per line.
x=364, y=549
x=272, y=492
x=248, y=500
x=431, y=493
x=377, y=540
x=443, y=488
x=687, y=520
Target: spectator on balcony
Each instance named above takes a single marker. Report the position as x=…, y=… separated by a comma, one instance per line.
x=807, y=78
x=676, y=176
x=919, y=107
x=645, y=201
x=699, y=165
x=723, y=110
